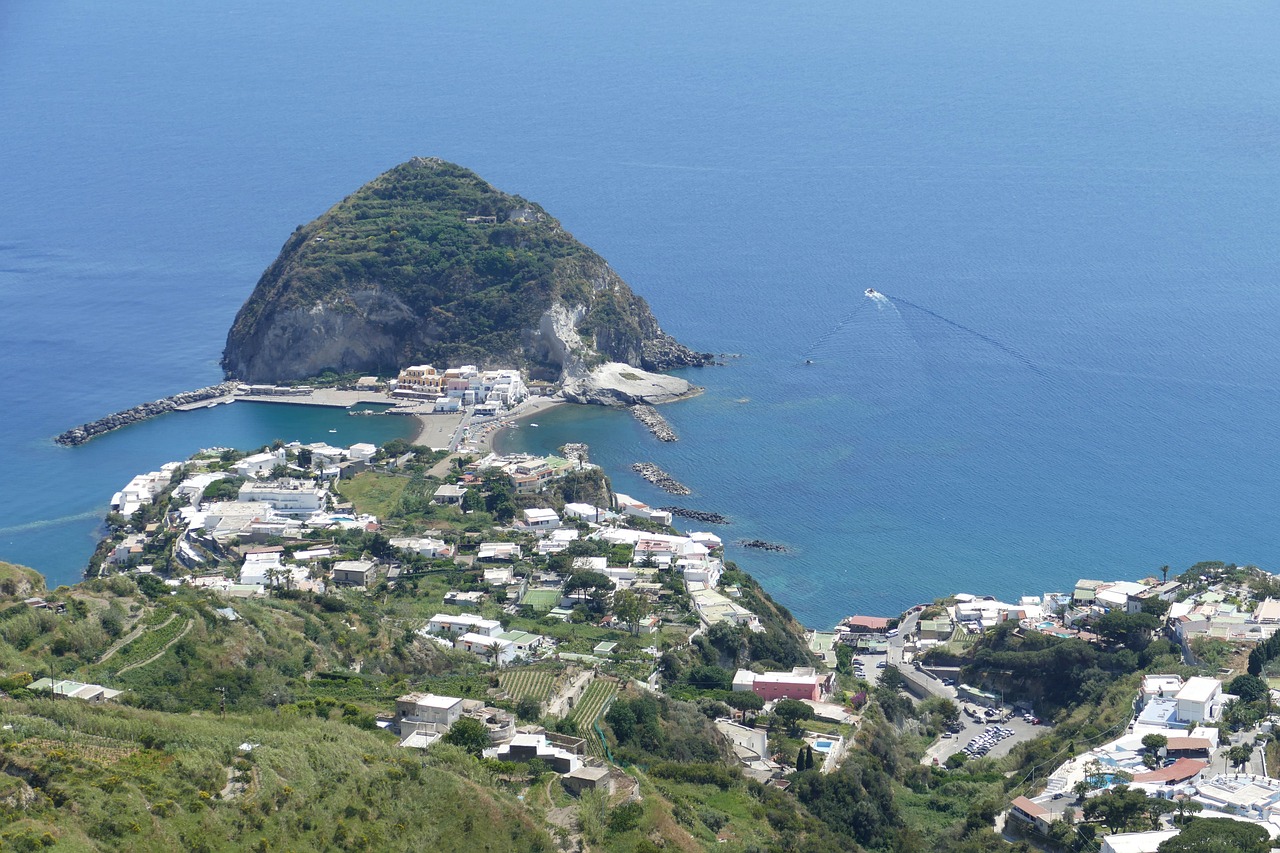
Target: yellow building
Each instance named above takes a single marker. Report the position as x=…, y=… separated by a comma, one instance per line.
x=422, y=377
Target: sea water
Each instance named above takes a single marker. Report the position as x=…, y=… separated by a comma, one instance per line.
x=1068, y=206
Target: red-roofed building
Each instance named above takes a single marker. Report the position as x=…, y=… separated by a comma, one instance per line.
x=1182, y=770
x=1188, y=747
x=868, y=624
x=1031, y=812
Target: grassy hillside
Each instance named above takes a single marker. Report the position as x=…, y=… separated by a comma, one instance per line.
x=83, y=777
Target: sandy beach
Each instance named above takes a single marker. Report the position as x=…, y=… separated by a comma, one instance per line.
x=439, y=430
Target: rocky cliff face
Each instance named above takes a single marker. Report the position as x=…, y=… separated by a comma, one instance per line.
x=428, y=263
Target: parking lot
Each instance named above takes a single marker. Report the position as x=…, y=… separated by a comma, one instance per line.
x=869, y=668
x=971, y=730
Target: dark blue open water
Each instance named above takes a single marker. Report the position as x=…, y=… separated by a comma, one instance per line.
x=1071, y=207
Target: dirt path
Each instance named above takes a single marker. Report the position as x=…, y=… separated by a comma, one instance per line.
x=558, y=706
x=190, y=624
x=131, y=636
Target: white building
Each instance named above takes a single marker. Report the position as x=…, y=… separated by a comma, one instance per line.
x=464, y=623
x=1196, y=699
x=361, y=573
x=424, y=545
x=587, y=512
x=143, y=489
x=539, y=520
x=630, y=506
x=438, y=712
x=287, y=497
x=449, y=495
x=491, y=648
x=260, y=464
x=498, y=551
x=361, y=452
x=262, y=566
x=193, y=487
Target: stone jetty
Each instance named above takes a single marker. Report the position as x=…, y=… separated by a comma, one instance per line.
x=656, y=423
x=660, y=478
x=142, y=412
x=697, y=515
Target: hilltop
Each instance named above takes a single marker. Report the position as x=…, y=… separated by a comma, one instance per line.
x=429, y=263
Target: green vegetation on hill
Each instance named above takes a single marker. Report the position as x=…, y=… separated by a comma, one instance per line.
x=18, y=580
x=428, y=262
x=82, y=777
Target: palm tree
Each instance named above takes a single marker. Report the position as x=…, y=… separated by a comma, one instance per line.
x=493, y=651
x=1164, y=573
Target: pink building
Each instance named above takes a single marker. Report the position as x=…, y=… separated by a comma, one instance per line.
x=800, y=683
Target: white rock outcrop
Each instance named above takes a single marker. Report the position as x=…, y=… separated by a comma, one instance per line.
x=618, y=384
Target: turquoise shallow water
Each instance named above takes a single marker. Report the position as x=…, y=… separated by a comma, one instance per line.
x=1069, y=205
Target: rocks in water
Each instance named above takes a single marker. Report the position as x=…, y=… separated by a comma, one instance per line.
x=576, y=452
x=656, y=423
x=697, y=515
x=660, y=478
x=84, y=432
x=763, y=545
x=663, y=352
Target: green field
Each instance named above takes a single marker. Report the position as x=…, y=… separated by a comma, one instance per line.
x=541, y=600
x=374, y=493
x=534, y=683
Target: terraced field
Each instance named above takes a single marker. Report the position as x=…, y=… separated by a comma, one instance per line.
x=148, y=644
x=599, y=694
x=534, y=683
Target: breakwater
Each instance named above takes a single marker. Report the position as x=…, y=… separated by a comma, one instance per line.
x=656, y=423
x=660, y=478
x=84, y=432
x=697, y=515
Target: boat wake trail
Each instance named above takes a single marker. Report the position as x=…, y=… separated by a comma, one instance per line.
x=987, y=339
x=51, y=522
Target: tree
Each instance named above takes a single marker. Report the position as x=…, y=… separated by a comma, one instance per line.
x=844, y=658
x=744, y=701
x=631, y=608
x=1250, y=688
x=1156, y=607
x=470, y=734
x=1210, y=835
x=582, y=584
x=1133, y=630
x=791, y=712
x=1240, y=754
x=1154, y=742
x=891, y=677
x=528, y=709
x=1123, y=808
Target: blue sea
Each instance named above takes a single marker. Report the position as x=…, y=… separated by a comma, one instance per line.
x=1070, y=209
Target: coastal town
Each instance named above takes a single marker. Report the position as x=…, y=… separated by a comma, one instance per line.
x=579, y=601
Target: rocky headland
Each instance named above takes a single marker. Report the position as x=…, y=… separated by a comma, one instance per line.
x=429, y=263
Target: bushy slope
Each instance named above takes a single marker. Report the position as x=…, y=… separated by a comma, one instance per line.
x=114, y=778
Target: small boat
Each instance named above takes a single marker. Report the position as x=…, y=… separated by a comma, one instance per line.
x=333, y=430
x=874, y=294
x=533, y=425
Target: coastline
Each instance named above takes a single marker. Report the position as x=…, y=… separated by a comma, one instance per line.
x=482, y=438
